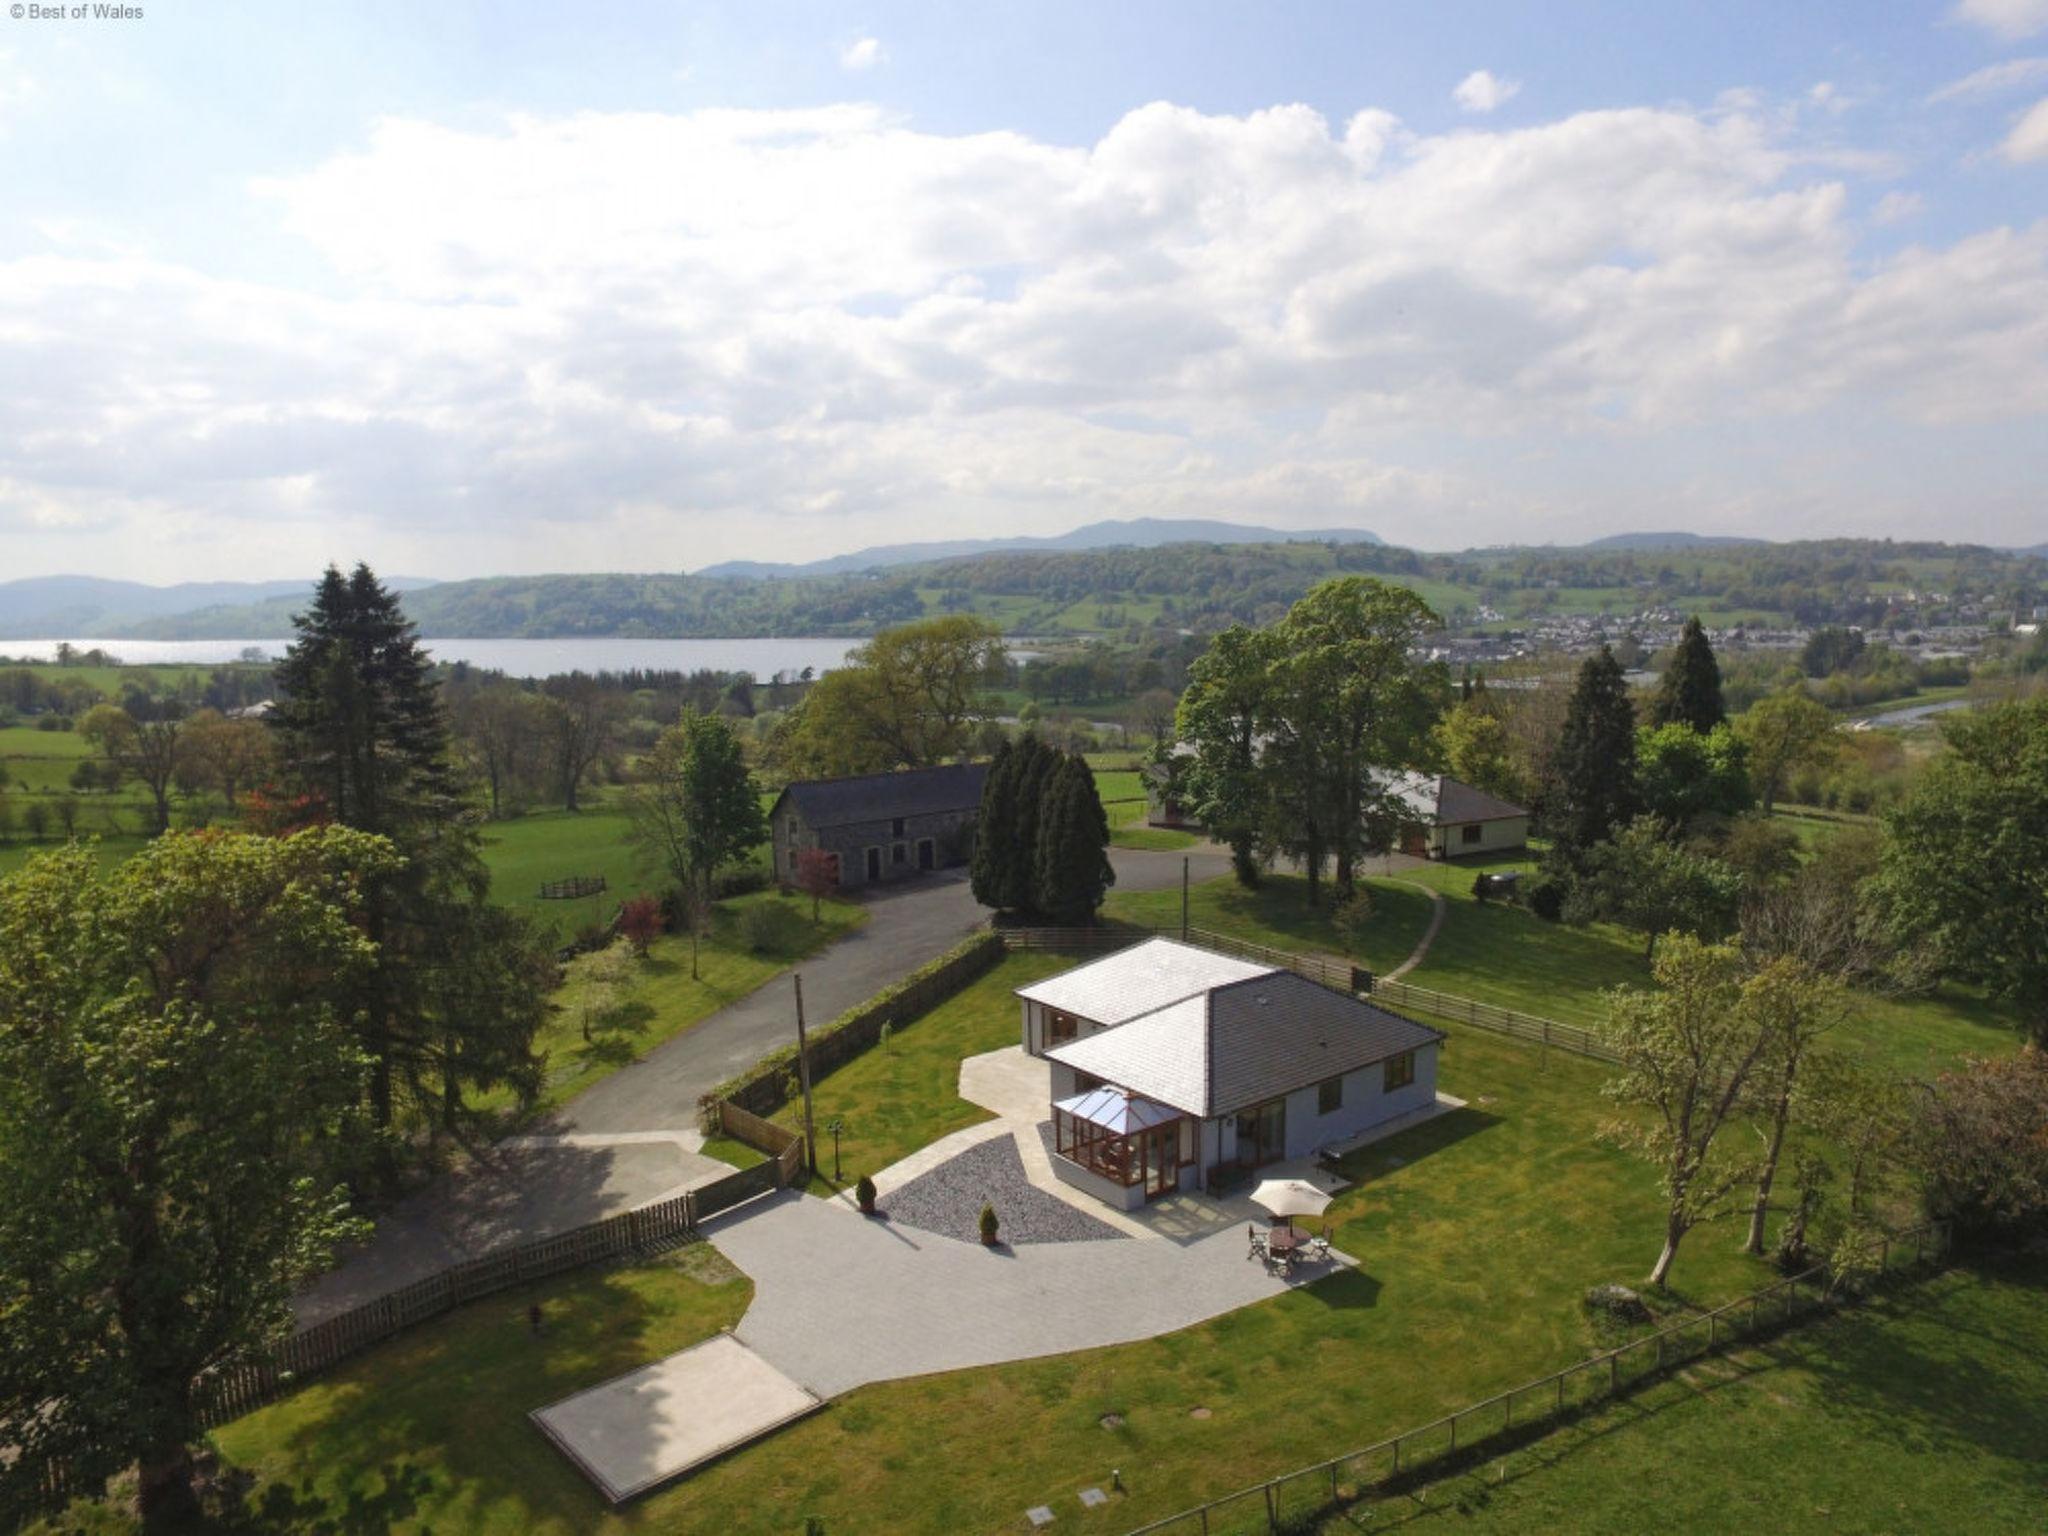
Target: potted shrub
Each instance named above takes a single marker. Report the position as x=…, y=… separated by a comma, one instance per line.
x=864, y=1192
x=989, y=1224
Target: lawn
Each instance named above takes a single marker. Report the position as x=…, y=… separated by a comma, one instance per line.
x=1276, y=912
x=1920, y=1412
x=440, y=1412
x=111, y=850
x=663, y=1000
x=904, y=1094
x=1477, y=1235
x=554, y=845
x=1127, y=829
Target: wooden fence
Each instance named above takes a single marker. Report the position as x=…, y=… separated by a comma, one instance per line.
x=243, y=1387
x=1575, y=1038
x=1336, y=973
x=1299, y=1500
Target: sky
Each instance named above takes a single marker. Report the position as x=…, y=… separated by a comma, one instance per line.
x=471, y=289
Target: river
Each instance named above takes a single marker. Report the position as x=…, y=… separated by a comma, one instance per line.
x=518, y=658
x=1910, y=715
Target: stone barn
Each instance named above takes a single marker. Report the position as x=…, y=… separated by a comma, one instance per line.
x=880, y=826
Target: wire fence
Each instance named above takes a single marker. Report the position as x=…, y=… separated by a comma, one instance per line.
x=1299, y=1501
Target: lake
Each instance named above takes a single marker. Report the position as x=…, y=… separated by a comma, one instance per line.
x=517, y=658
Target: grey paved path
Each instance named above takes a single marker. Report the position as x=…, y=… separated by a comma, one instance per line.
x=513, y=1195
x=841, y=1300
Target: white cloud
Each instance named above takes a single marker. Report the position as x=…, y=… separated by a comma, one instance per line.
x=657, y=340
x=1992, y=80
x=1482, y=91
x=1897, y=207
x=2028, y=140
x=1826, y=96
x=863, y=54
x=2009, y=19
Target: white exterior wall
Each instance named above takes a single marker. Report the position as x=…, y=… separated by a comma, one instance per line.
x=1365, y=1105
x=1503, y=836
x=1034, y=1027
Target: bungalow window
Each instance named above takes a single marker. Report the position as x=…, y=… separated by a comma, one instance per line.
x=1060, y=1027
x=1471, y=832
x=1400, y=1071
x=1329, y=1095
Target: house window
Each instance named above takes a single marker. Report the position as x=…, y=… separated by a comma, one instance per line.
x=898, y=854
x=896, y=829
x=1329, y=1095
x=1060, y=1027
x=1400, y=1071
x=1471, y=832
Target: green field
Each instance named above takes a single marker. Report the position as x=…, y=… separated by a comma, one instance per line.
x=1920, y=1412
x=663, y=999
x=524, y=851
x=1477, y=1235
x=1276, y=912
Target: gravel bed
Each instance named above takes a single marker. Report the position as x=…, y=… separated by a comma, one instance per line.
x=948, y=1201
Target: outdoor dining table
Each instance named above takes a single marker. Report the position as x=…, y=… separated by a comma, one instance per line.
x=1284, y=1241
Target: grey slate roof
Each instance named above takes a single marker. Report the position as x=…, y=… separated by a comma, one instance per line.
x=1444, y=801
x=885, y=796
x=1137, y=980
x=1242, y=1043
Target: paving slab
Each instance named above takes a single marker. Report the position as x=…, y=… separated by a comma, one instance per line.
x=635, y=1432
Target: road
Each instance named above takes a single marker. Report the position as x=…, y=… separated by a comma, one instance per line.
x=632, y=1138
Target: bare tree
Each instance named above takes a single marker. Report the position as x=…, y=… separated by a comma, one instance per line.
x=583, y=719
x=501, y=732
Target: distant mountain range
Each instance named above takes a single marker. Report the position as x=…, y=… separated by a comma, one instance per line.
x=1652, y=542
x=1123, y=533
x=60, y=607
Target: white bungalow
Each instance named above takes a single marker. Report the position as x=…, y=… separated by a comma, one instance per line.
x=1173, y=1067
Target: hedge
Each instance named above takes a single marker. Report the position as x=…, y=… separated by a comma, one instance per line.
x=765, y=1086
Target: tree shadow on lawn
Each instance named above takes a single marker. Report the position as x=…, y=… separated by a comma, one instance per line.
x=1911, y=1370
x=443, y=1408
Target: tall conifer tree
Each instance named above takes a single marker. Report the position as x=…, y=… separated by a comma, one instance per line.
x=995, y=833
x=1596, y=760
x=1071, y=864
x=1690, y=692
x=459, y=987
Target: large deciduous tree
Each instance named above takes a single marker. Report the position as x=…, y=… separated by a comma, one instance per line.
x=1595, y=762
x=1684, y=774
x=1643, y=880
x=174, y=1088
x=1965, y=854
x=1473, y=742
x=226, y=755
x=1688, y=1049
x=503, y=733
x=696, y=808
x=910, y=698
x=145, y=745
x=1785, y=732
x=1689, y=694
x=579, y=722
x=1219, y=724
x=1348, y=700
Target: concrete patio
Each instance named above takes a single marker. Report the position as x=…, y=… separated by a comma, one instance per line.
x=841, y=1300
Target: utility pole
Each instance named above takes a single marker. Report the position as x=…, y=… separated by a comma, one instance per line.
x=1183, y=898
x=803, y=1072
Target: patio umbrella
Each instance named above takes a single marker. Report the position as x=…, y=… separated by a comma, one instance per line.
x=1287, y=1198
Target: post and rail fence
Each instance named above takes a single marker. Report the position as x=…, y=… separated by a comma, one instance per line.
x=1336, y=973
x=1297, y=1500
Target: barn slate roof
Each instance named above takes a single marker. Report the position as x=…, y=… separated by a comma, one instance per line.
x=885, y=796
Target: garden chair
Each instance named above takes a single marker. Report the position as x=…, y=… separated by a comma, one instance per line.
x=1258, y=1244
